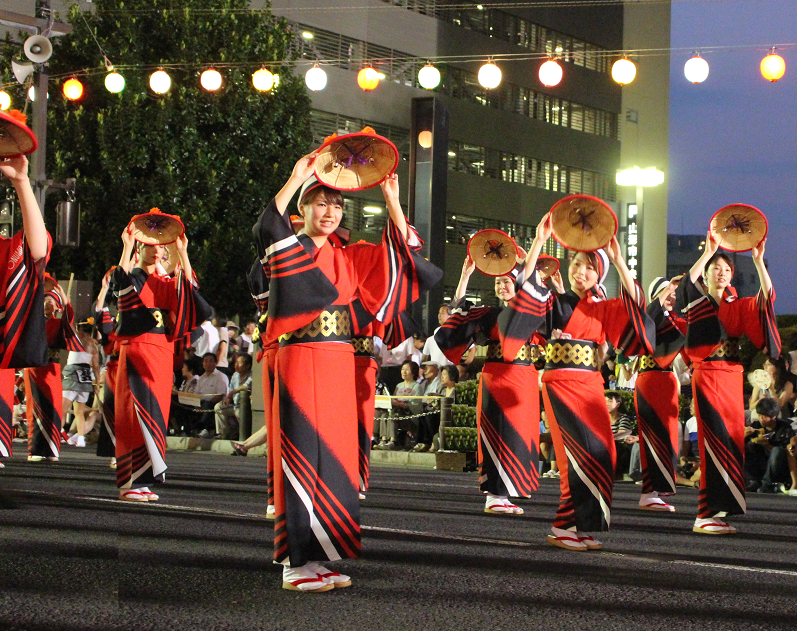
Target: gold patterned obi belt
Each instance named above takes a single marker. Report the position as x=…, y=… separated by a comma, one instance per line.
x=577, y=354
x=727, y=352
x=363, y=346
x=526, y=356
x=329, y=326
x=648, y=364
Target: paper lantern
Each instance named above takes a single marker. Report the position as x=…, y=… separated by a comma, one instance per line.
x=623, y=71
x=696, y=69
x=429, y=77
x=315, y=78
x=368, y=79
x=425, y=139
x=489, y=75
x=210, y=80
x=160, y=82
x=114, y=82
x=550, y=73
x=773, y=67
x=73, y=89
x=263, y=80
x=5, y=100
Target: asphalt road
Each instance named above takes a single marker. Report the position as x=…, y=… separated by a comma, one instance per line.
x=73, y=557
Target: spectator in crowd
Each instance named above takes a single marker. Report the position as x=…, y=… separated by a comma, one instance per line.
x=627, y=372
x=181, y=417
x=781, y=388
x=208, y=340
x=464, y=372
x=683, y=372
x=392, y=429
x=769, y=463
x=431, y=351
x=546, y=448
x=222, y=350
x=235, y=402
x=623, y=430
x=431, y=377
x=609, y=370
x=429, y=425
x=214, y=384
x=244, y=340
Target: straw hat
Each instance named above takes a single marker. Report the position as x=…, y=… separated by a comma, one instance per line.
x=738, y=227
x=156, y=227
x=354, y=162
x=494, y=252
x=583, y=223
x=16, y=138
x=547, y=266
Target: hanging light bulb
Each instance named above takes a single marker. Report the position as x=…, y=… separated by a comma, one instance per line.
x=315, y=78
x=114, y=82
x=263, y=80
x=623, y=71
x=160, y=82
x=696, y=69
x=550, y=73
x=429, y=77
x=210, y=80
x=5, y=100
x=773, y=67
x=489, y=75
x=368, y=78
x=73, y=89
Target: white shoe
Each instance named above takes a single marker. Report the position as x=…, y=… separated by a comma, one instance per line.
x=652, y=501
x=713, y=526
x=81, y=441
x=792, y=492
x=304, y=579
x=72, y=440
x=271, y=512
x=362, y=496
x=2, y=466
x=335, y=579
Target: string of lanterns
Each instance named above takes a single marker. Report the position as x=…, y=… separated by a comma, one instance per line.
x=623, y=71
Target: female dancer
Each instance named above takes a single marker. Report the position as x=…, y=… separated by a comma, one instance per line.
x=79, y=378
x=509, y=408
x=106, y=443
x=154, y=312
x=578, y=323
x=715, y=320
x=317, y=292
x=656, y=399
x=21, y=295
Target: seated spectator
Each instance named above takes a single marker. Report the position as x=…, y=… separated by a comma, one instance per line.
x=429, y=425
x=769, y=463
x=236, y=401
x=215, y=385
x=431, y=377
x=244, y=340
x=393, y=430
x=623, y=429
x=182, y=417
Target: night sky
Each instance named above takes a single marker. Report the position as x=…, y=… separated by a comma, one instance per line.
x=733, y=138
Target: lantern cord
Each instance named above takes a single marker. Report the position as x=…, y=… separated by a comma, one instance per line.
x=108, y=64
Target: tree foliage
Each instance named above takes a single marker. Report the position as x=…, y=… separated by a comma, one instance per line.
x=214, y=159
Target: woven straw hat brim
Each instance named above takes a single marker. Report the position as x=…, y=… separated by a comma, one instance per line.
x=738, y=227
x=547, y=266
x=355, y=161
x=494, y=252
x=15, y=138
x=156, y=228
x=583, y=223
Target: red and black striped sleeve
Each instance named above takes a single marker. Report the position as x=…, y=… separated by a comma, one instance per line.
x=461, y=328
x=628, y=327
x=529, y=311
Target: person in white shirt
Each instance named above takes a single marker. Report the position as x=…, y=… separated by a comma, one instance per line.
x=228, y=409
x=215, y=385
x=209, y=339
x=431, y=351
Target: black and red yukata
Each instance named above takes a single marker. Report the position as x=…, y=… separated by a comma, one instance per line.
x=572, y=386
x=22, y=342
x=43, y=388
x=656, y=402
x=154, y=312
x=319, y=298
x=712, y=343
x=508, y=403
x=106, y=443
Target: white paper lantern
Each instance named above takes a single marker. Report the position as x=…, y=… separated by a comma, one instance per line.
x=114, y=82
x=489, y=75
x=696, y=69
x=160, y=82
x=429, y=77
x=623, y=71
x=550, y=73
x=210, y=80
x=315, y=78
x=5, y=100
x=263, y=80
